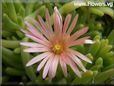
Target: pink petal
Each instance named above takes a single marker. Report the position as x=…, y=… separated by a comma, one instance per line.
x=33, y=30
x=77, y=61
x=47, y=66
x=72, y=24
x=39, y=27
x=36, y=50
x=73, y=66
x=79, y=33
x=89, y=41
x=57, y=21
x=53, y=67
x=42, y=63
x=66, y=23
x=37, y=58
x=63, y=66
x=78, y=41
x=37, y=40
x=47, y=16
x=81, y=56
x=32, y=44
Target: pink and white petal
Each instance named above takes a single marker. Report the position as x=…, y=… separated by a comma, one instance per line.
x=88, y=41
x=26, y=32
x=39, y=27
x=78, y=41
x=79, y=33
x=72, y=65
x=37, y=58
x=31, y=50
x=47, y=16
x=77, y=61
x=75, y=69
x=66, y=23
x=63, y=66
x=32, y=44
x=47, y=32
x=57, y=20
x=35, y=32
x=54, y=65
x=47, y=66
x=37, y=40
x=72, y=24
x=81, y=56
x=42, y=63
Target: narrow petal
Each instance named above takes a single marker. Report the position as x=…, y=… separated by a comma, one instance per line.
x=39, y=27
x=33, y=30
x=77, y=61
x=42, y=63
x=53, y=66
x=72, y=65
x=57, y=20
x=63, y=66
x=37, y=58
x=66, y=23
x=72, y=24
x=89, y=41
x=81, y=56
x=31, y=50
x=47, y=66
x=75, y=69
x=32, y=44
x=78, y=41
x=37, y=40
x=47, y=16
x=44, y=27
x=79, y=33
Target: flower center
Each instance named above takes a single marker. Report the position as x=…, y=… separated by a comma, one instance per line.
x=57, y=48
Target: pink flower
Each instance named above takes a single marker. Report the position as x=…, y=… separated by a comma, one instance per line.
x=54, y=45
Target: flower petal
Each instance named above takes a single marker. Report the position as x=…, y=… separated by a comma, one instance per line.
x=47, y=66
x=81, y=56
x=32, y=44
x=35, y=50
x=42, y=63
x=53, y=66
x=37, y=40
x=37, y=58
x=79, y=33
x=47, y=16
x=89, y=41
x=63, y=66
x=39, y=27
x=72, y=24
x=78, y=41
x=57, y=21
x=77, y=61
x=72, y=65
x=66, y=23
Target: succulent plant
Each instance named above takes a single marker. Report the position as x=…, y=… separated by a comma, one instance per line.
x=99, y=20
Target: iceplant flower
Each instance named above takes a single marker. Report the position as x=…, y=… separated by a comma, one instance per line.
x=54, y=45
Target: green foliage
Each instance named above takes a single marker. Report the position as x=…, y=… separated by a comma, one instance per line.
x=101, y=53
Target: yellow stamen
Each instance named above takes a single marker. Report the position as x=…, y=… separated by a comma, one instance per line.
x=57, y=48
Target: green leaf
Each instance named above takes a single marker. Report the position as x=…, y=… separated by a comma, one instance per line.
x=85, y=79
x=96, y=11
x=107, y=10
x=14, y=72
x=11, y=59
x=111, y=37
x=101, y=77
x=9, y=24
x=10, y=44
